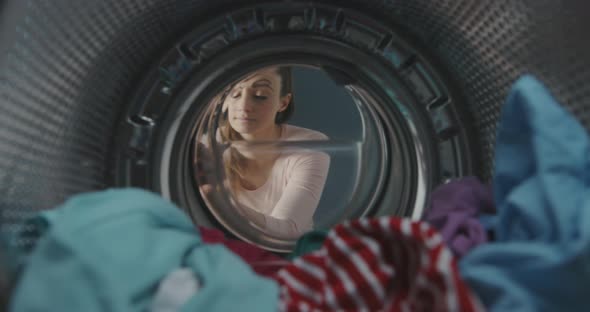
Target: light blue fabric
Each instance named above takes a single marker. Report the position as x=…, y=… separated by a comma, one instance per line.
x=540, y=260
x=108, y=251
x=489, y=222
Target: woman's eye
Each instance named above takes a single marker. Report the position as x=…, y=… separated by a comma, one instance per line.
x=236, y=95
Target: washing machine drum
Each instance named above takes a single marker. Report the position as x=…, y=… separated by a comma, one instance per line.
x=392, y=98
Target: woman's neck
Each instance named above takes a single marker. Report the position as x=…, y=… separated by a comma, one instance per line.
x=259, y=157
x=272, y=134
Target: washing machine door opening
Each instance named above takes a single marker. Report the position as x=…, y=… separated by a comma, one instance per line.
x=270, y=135
x=287, y=148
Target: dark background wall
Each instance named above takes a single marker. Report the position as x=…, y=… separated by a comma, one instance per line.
x=323, y=106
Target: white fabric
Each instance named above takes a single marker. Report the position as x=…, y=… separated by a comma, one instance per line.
x=175, y=290
x=288, y=199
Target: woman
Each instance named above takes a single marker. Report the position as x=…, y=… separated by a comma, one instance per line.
x=278, y=190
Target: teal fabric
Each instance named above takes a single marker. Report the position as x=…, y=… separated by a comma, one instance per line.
x=309, y=242
x=540, y=260
x=108, y=251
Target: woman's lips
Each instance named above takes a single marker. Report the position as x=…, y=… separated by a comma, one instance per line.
x=244, y=119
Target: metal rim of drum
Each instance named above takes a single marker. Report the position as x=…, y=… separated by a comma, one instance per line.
x=421, y=104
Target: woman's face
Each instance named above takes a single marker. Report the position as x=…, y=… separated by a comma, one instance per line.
x=254, y=102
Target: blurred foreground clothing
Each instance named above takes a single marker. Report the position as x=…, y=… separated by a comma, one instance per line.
x=385, y=264
x=456, y=208
x=540, y=260
x=261, y=261
x=310, y=241
x=175, y=290
x=109, y=251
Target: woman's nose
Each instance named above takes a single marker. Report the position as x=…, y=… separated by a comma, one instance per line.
x=244, y=103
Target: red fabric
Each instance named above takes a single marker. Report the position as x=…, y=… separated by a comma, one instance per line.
x=262, y=262
x=386, y=264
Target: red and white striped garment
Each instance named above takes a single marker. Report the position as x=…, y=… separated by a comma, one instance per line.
x=384, y=264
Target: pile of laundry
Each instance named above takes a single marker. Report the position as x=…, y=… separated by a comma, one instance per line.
x=521, y=244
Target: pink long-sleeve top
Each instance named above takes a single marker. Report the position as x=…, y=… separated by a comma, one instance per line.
x=285, y=204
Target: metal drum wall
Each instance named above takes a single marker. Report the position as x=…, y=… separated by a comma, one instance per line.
x=68, y=70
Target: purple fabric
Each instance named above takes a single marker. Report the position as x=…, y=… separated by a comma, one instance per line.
x=455, y=210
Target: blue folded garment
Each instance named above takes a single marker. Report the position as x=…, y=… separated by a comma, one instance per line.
x=540, y=260
x=108, y=251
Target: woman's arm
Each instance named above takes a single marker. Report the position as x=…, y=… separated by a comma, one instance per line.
x=279, y=227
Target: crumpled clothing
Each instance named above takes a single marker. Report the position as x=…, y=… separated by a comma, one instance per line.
x=261, y=261
x=108, y=251
x=455, y=212
x=385, y=264
x=309, y=242
x=540, y=260
x=175, y=290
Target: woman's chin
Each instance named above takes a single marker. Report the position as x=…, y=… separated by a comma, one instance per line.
x=244, y=130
